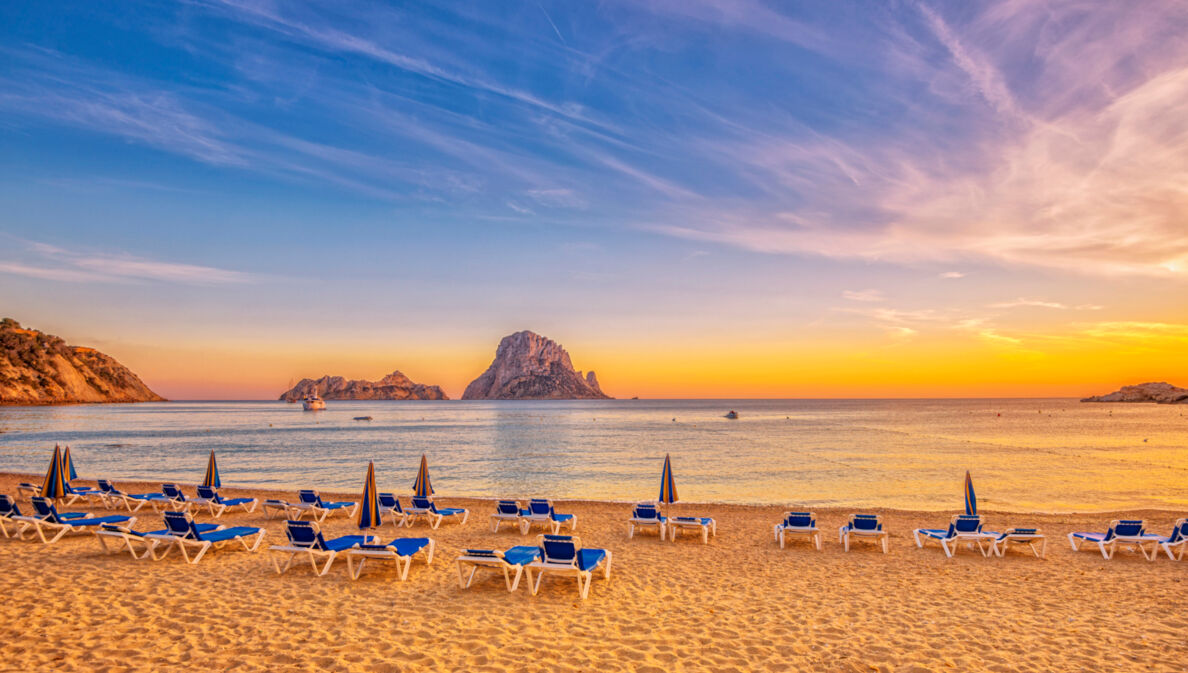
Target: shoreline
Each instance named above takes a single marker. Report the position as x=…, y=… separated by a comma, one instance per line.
x=739, y=603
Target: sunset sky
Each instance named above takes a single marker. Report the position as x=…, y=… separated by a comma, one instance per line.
x=696, y=198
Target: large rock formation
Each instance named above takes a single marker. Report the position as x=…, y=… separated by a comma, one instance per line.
x=394, y=386
x=528, y=366
x=37, y=368
x=1160, y=393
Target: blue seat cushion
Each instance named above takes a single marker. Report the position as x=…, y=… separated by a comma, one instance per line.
x=521, y=555
x=1093, y=537
x=938, y=533
x=231, y=502
x=562, y=517
x=98, y=521
x=404, y=546
x=450, y=511
x=588, y=559
x=229, y=533
x=346, y=542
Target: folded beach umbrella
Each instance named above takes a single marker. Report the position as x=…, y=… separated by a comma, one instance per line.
x=369, y=508
x=421, y=487
x=68, y=465
x=971, y=501
x=211, y=480
x=668, y=494
x=54, y=485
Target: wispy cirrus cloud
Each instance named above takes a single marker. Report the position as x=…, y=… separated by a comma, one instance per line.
x=50, y=262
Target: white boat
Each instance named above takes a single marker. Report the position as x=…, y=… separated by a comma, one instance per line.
x=312, y=402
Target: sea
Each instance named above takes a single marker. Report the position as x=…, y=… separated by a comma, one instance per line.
x=1024, y=455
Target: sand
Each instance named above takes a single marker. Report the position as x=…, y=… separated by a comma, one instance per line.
x=738, y=604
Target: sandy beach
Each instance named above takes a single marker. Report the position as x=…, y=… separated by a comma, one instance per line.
x=739, y=603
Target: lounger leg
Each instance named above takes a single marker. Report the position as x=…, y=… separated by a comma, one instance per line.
x=329, y=562
x=352, y=570
x=630, y=530
x=512, y=583
x=535, y=587
x=885, y=540
x=705, y=531
x=780, y=537
x=606, y=571
x=584, y=587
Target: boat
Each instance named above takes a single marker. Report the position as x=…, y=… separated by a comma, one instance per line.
x=362, y=418
x=312, y=402
x=732, y=414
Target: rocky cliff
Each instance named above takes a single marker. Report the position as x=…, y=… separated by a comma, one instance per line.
x=37, y=368
x=528, y=366
x=1160, y=393
x=394, y=386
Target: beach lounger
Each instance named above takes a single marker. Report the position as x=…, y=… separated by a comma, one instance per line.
x=646, y=515
x=563, y=555
x=963, y=529
x=74, y=494
x=1020, y=536
x=309, y=501
x=46, y=519
x=863, y=526
x=1128, y=533
x=390, y=504
x=425, y=507
x=177, y=500
x=210, y=498
x=183, y=535
x=27, y=490
x=400, y=551
x=113, y=497
x=511, y=562
x=305, y=539
x=540, y=511
x=1178, y=540
x=705, y=524
x=506, y=511
x=798, y=523
x=124, y=537
x=273, y=508
x=10, y=514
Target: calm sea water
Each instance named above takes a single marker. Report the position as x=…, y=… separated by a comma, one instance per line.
x=1025, y=455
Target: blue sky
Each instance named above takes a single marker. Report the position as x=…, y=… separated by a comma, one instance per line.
x=409, y=182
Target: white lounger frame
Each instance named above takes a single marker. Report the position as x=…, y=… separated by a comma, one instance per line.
x=999, y=545
x=403, y=563
x=1110, y=547
x=60, y=530
x=951, y=545
x=499, y=518
x=584, y=577
x=127, y=541
x=782, y=531
x=202, y=546
x=433, y=518
x=707, y=529
x=496, y=562
x=880, y=537
x=658, y=524
x=1182, y=544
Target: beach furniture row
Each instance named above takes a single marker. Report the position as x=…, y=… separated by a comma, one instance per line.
x=540, y=511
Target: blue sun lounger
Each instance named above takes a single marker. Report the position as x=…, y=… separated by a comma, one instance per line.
x=541, y=511
x=1177, y=540
x=27, y=490
x=10, y=513
x=506, y=511
x=280, y=508
x=125, y=537
x=646, y=515
x=425, y=507
x=176, y=498
x=1129, y=533
x=863, y=526
x=563, y=555
x=390, y=504
x=400, y=551
x=72, y=494
x=185, y=536
x=46, y=519
x=963, y=529
x=310, y=501
x=113, y=497
x=511, y=562
x=305, y=539
x=705, y=524
x=1020, y=536
x=210, y=498
x=798, y=523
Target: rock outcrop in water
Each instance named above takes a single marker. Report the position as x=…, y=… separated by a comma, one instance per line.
x=37, y=368
x=528, y=366
x=1159, y=393
x=394, y=386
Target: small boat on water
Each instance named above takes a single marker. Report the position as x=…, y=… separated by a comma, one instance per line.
x=362, y=418
x=312, y=402
x=732, y=414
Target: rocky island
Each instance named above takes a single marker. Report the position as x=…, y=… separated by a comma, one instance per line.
x=38, y=368
x=1157, y=392
x=394, y=386
x=528, y=366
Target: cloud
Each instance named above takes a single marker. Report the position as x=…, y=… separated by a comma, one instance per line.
x=951, y=275
x=1041, y=303
x=59, y=264
x=863, y=295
